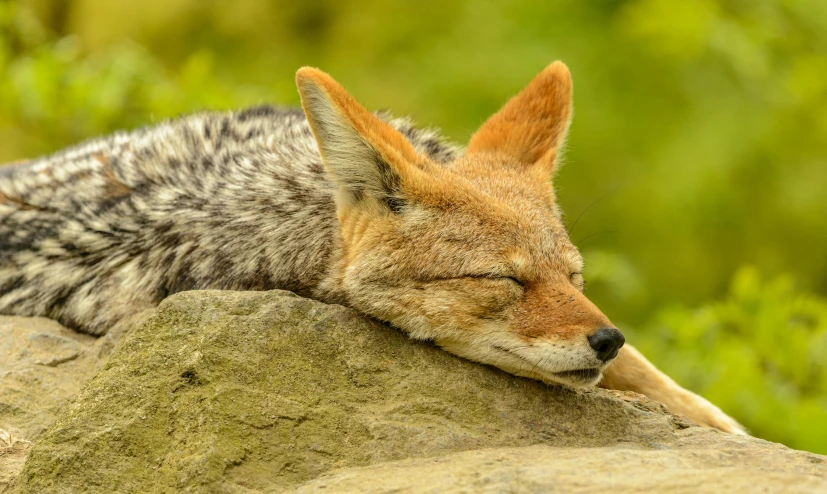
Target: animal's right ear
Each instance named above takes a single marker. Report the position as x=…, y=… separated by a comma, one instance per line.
x=364, y=156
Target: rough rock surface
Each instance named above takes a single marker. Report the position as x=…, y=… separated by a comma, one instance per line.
x=13, y=453
x=247, y=392
x=40, y=360
x=42, y=366
x=696, y=465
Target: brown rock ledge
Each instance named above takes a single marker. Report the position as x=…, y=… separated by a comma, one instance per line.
x=267, y=391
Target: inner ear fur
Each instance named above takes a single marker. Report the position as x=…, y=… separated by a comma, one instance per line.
x=532, y=126
x=363, y=155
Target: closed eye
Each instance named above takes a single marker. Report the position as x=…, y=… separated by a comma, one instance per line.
x=490, y=276
x=498, y=277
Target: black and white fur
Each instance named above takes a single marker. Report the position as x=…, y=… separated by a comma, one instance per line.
x=236, y=201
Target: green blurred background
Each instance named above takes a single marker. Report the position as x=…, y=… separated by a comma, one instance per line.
x=696, y=157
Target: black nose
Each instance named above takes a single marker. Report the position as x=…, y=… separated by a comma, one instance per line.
x=606, y=342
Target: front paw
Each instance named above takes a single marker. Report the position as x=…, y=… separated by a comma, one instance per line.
x=704, y=413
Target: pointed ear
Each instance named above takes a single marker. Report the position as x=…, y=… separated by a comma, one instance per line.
x=532, y=126
x=363, y=155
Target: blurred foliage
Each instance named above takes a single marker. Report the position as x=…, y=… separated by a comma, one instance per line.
x=698, y=144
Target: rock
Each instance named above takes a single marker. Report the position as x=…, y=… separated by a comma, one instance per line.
x=13, y=453
x=42, y=366
x=723, y=465
x=267, y=391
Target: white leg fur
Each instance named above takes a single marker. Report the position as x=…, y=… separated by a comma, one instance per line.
x=632, y=372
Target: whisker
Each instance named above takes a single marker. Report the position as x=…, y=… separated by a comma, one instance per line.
x=594, y=234
x=584, y=212
x=521, y=347
x=538, y=363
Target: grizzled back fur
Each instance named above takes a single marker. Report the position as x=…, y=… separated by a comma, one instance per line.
x=237, y=201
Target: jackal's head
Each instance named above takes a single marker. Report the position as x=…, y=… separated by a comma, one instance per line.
x=473, y=254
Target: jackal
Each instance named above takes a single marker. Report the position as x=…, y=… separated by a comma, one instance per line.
x=463, y=247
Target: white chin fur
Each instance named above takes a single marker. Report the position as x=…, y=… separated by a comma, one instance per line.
x=576, y=383
x=568, y=368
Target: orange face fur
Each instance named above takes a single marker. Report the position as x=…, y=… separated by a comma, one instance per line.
x=473, y=254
